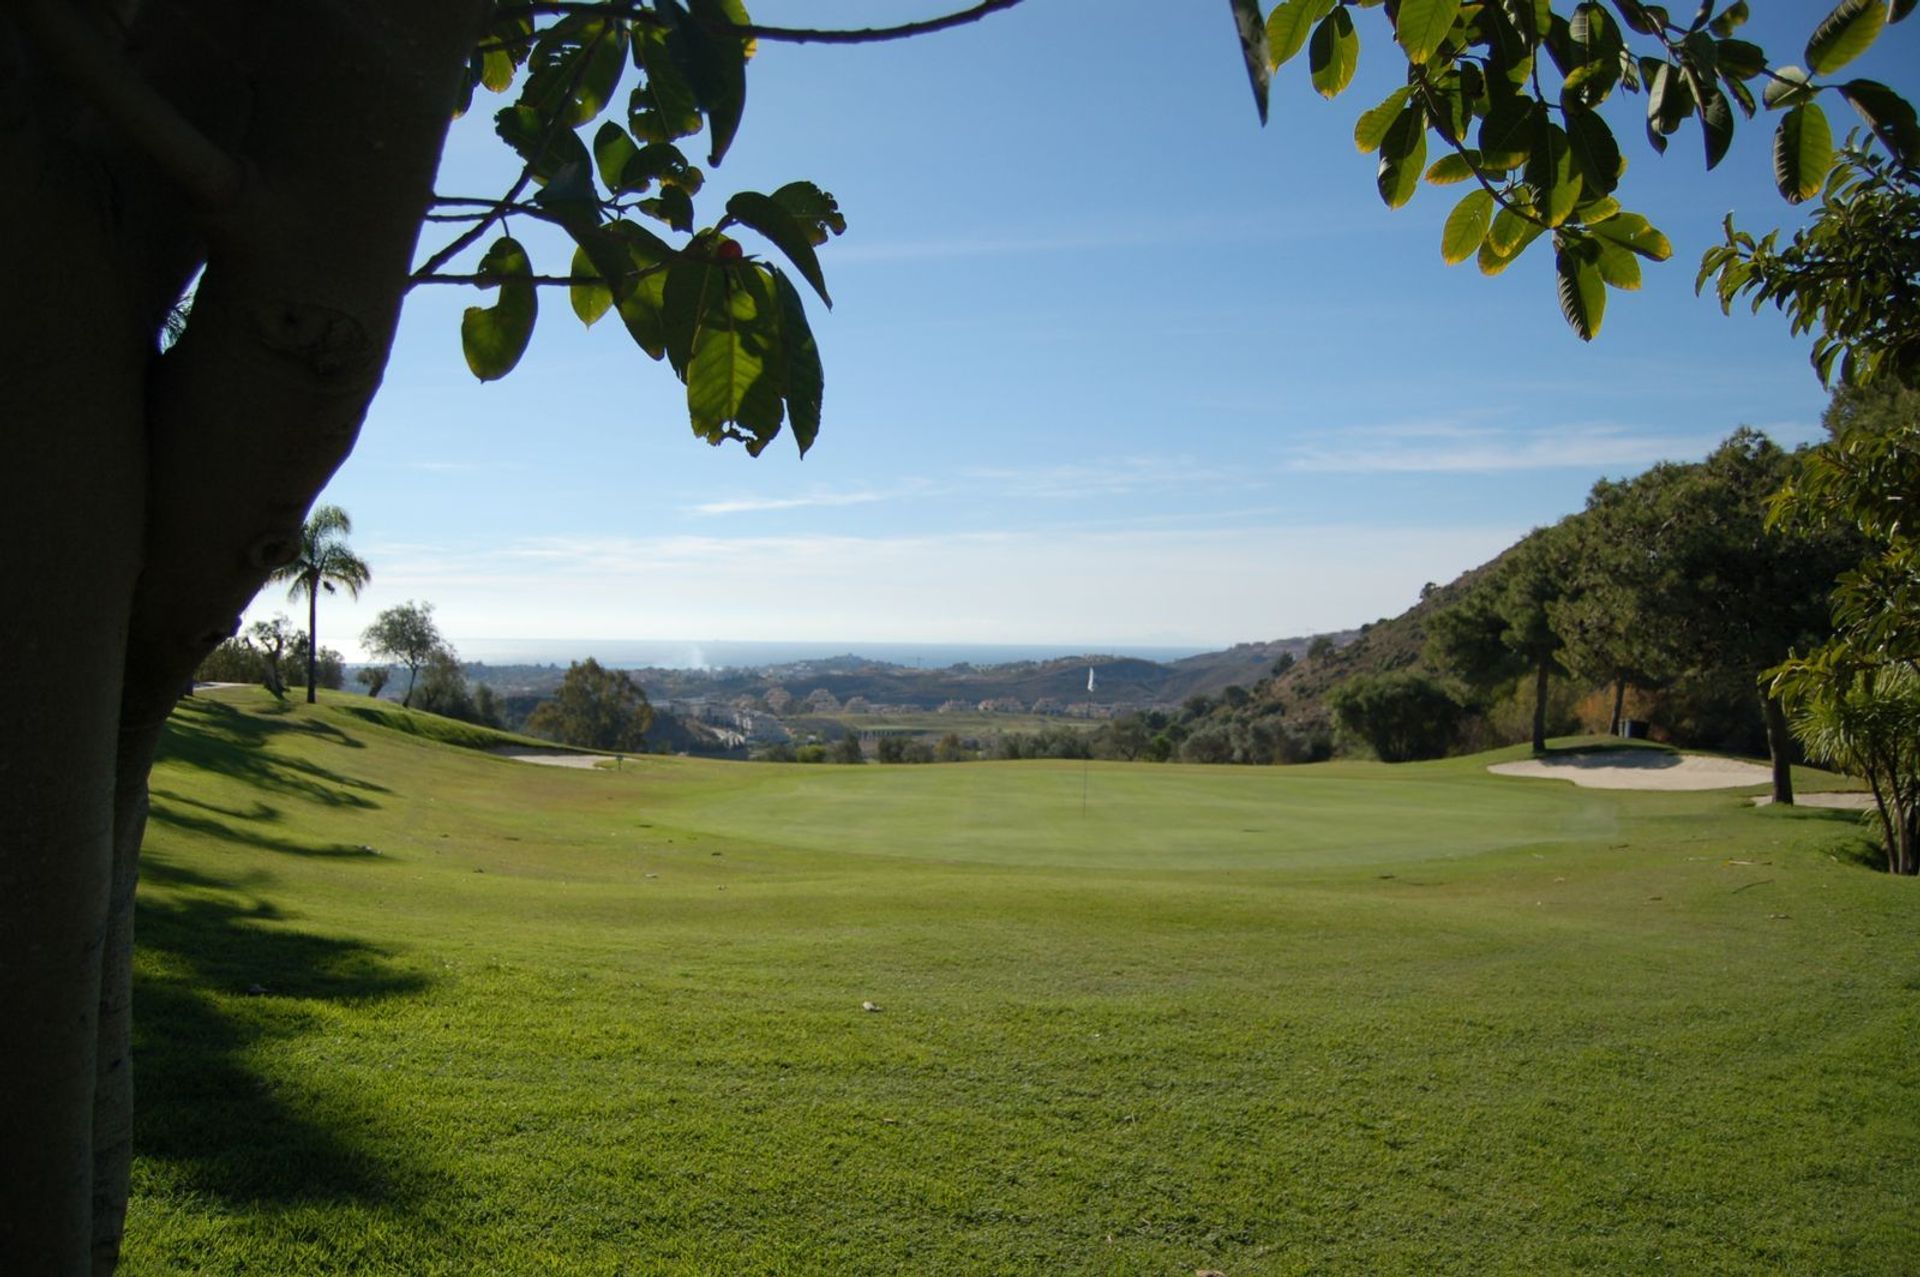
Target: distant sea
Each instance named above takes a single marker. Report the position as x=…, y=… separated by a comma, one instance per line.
x=689, y=655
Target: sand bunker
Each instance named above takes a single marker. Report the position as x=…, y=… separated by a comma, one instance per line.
x=1640, y=769
x=524, y=754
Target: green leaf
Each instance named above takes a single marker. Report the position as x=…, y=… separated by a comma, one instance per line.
x=545, y=150
x=1618, y=266
x=590, y=300
x=817, y=212
x=1451, y=168
x=1495, y=258
x=1373, y=125
x=1787, y=87
x=1421, y=26
x=1253, y=50
x=575, y=68
x=693, y=288
x=1582, y=292
x=1509, y=231
x=764, y=214
x=1890, y=116
x=663, y=108
x=1288, y=26
x=1403, y=154
x=642, y=308
x=1845, y=34
x=1716, y=124
x=1466, y=228
x=496, y=70
x=1731, y=19
x=1802, y=152
x=1634, y=232
x=612, y=149
x=1506, y=135
x=1551, y=173
x=801, y=378
x=1741, y=60
x=715, y=66
x=1900, y=9
x=1596, y=154
x=1333, y=53
x=494, y=337
x=729, y=381
x=672, y=206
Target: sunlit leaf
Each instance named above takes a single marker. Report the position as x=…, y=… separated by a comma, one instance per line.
x=1422, y=25
x=1802, y=152
x=765, y=214
x=589, y=294
x=494, y=337
x=1373, y=124
x=1845, y=34
x=1582, y=291
x=1333, y=53
x=1466, y=227
x=1289, y=25
x=1890, y=116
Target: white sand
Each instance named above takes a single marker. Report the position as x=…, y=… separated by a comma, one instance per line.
x=1640, y=769
x=524, y=754
x=1658, y=769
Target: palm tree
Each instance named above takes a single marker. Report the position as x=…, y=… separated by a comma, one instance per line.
x=325, y=562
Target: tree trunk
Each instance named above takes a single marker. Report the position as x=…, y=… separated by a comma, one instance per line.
x=120, y=574
x=1540, y=707
x=1619, y=705
x=313, y=638
x=1779, y=748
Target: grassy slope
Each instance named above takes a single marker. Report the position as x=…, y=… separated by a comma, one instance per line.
x=1339, y=1018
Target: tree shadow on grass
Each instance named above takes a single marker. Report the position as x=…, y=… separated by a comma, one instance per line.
x=215, y=1116
x=161, y=809
x=219, y=738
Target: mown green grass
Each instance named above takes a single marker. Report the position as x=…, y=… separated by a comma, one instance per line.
x=1344, y=1018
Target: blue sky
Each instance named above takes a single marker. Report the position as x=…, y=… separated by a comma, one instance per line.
x=1108, y=364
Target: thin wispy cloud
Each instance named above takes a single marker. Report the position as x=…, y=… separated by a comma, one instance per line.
x=1108, y=476
x=1433, y=447
x=754, y=504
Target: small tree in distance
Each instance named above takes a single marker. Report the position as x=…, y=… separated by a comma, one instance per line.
x=595, y=708
x=404, y=635
x=325, y=563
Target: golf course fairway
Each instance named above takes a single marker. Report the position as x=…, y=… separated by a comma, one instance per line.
x=407, y=1007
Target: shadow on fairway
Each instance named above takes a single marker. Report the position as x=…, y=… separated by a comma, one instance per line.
x=208, y=1115
x=219, y=738
x=161, y=809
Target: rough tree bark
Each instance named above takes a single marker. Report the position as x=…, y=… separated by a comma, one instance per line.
x=288, y=149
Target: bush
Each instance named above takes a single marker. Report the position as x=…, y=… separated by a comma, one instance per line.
x=1402, y=716
x=847, y=749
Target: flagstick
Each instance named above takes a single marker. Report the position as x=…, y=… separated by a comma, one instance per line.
x=1086, y=764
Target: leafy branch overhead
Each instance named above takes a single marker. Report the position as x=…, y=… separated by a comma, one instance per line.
x=1506, y=96
x=1513, y=89
x=732, y=326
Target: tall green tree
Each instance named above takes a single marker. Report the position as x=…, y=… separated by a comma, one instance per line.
x=595, y=708
x=325, y=562
x=282, y=166
x=1503, y=628
x=1611, y=630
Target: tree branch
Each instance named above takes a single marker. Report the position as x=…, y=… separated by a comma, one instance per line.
x=790, y=35
x=208, y=174
x=873, y=35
